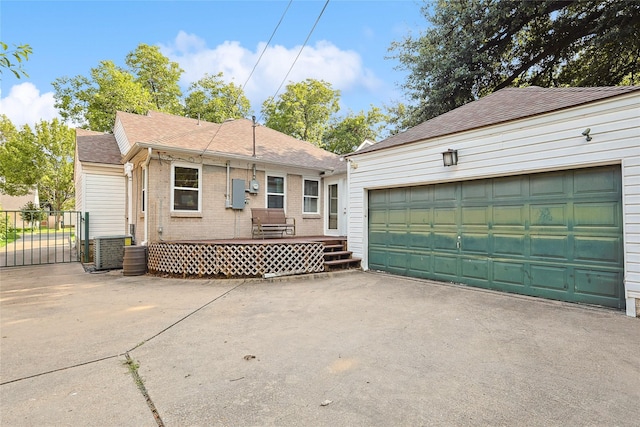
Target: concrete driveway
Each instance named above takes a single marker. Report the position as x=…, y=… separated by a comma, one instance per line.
x=348, y=348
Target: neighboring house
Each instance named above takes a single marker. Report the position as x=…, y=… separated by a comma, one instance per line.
x=16, y=203
x=187, y=179
x=544, y=199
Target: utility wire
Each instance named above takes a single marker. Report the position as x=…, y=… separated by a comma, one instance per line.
x=299, y=53
x=288, y=72
x=265, y=48
x=251, y=74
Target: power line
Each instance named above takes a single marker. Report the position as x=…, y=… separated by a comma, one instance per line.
x=290, y=68
x=299, y=52
x=265, y=47
x=273, y=33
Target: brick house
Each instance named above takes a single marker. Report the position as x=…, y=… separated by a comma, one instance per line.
x=179, y=178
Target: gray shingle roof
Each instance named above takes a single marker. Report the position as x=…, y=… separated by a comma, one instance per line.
x=97, y=147
x=230, y=138
x=499, y=107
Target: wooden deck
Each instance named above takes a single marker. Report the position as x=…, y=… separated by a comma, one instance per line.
x=249, y=257
x=290, y=240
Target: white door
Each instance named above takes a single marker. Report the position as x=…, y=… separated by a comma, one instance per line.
x=335, y=208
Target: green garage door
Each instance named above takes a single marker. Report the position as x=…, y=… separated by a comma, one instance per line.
x=553, y=235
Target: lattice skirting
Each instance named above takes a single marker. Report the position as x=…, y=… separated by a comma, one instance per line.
x=235, y=260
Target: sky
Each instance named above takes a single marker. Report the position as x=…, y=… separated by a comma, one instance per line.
x=348, y=48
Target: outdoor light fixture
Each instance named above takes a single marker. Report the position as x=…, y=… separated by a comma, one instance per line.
x=586, y=133
x=450, y=157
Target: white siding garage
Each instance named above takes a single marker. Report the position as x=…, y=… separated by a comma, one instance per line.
x=509, y=134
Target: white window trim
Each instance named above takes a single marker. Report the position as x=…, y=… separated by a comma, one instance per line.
x=266, y=188
x=173, y=172
x=304, y=196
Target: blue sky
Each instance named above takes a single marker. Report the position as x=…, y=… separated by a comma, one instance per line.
x=348, y=47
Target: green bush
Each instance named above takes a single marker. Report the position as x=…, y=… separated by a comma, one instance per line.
x=6, y=230
x=32, y=214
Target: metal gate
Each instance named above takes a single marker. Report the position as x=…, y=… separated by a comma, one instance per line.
x=41, y=237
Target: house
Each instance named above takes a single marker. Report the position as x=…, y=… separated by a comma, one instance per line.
x=162, y=178
x=12, y=204
x=528, y=190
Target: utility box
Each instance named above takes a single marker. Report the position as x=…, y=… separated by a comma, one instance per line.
x=237, y=200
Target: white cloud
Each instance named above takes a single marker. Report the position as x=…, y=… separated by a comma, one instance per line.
x=25, y=105
x=324, y=61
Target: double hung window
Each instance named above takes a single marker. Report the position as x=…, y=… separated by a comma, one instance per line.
x=186, y=187
x=275, y=191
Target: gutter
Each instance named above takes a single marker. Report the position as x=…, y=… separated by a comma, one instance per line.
x=146, y=196
x=198, y=153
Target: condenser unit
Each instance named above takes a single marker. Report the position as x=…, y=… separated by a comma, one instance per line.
x=109, y=251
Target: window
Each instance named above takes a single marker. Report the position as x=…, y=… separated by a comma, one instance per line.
x=310, y=196
x=144, y=189
x=333, y=207
x=275, y=191
x=185, y=191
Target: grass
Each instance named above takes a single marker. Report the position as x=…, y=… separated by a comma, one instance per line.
x=14, y=235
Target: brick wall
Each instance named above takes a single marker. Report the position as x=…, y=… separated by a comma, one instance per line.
x=215, y=221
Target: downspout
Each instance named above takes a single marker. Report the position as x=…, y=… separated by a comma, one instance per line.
x=227, y=201
x=128, y=170
x=146, y=197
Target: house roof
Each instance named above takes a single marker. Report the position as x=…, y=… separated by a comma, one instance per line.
x=232, y=138
x=499, y=107
x=97, y=147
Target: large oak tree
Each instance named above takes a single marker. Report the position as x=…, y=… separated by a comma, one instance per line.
x=475, y=47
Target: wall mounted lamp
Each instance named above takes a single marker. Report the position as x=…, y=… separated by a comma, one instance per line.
x=450, y=157
x=586, y=133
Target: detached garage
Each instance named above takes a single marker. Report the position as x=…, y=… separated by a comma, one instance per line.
x=542, y=198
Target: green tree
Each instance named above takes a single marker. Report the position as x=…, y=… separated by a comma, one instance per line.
x=7, y=129
x=32, y=214
x=475, y=47
x=150, y=83
x=95, y=101
x=159, y=75
x=345, y=135
x=303, y=110
x=42, y=159
x=13, y=59
x=211, y=99
x=20, y=159
x=57, y=143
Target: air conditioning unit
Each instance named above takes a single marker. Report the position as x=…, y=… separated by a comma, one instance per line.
x=108, y=251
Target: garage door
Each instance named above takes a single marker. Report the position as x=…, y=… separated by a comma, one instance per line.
x=553, y=235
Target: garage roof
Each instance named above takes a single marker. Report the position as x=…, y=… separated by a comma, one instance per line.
x=499, y=107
